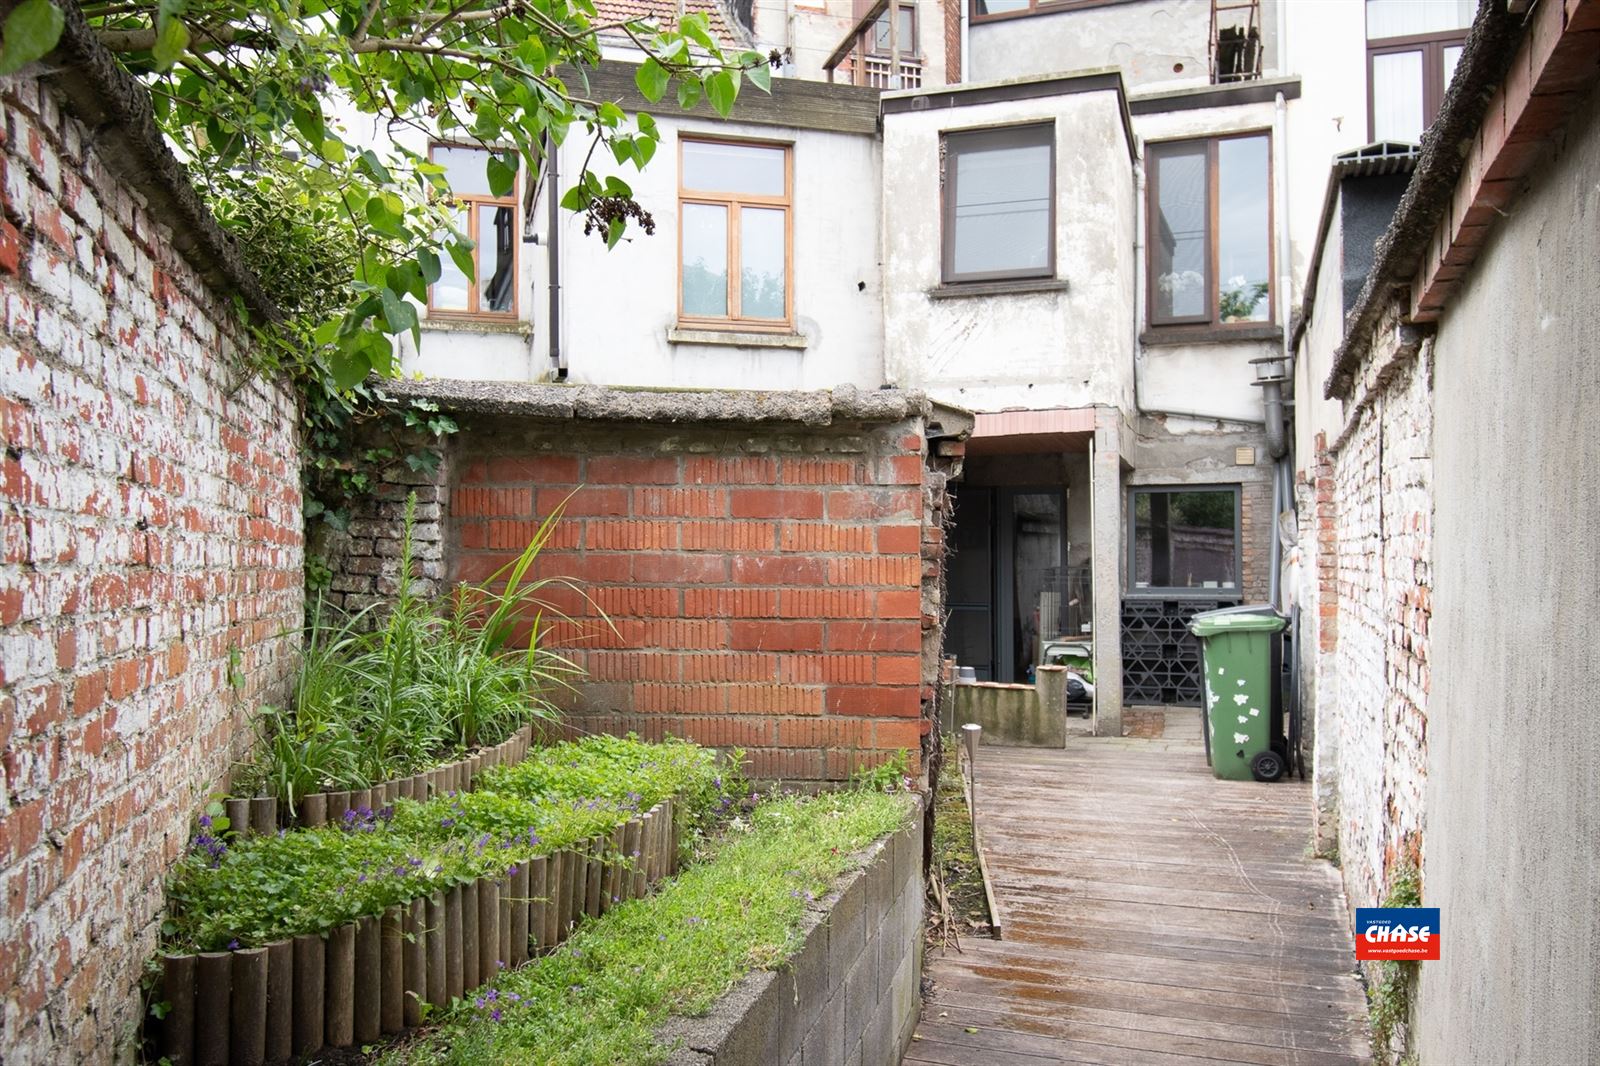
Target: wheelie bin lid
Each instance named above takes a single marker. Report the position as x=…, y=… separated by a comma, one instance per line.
x=1251, y=618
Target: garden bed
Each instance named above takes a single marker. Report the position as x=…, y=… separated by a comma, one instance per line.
x=709, y=943
x=278, y=945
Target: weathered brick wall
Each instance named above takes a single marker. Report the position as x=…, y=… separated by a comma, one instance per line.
x=766, y=585
x=1382, y=469
x=149, y=550
x=1316, y=593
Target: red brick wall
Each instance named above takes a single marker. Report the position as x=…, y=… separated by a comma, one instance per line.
x=952, y=41
x=766, y=587
x=149, y=546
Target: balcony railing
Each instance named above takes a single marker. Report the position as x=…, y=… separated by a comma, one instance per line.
x=874, y=71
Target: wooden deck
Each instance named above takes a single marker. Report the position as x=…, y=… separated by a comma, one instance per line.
x=1152, y=914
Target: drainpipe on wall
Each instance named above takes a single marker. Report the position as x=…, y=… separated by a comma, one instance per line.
x=558, y=359
x=1272, y=372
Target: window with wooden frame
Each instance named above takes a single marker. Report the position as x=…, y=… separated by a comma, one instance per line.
x=999, y=203
x=1184, y=539
x=1210, y=231
x=1412, y=50
x=987, y=10
x=877, y=38
x=735, y=234
x=491, y=222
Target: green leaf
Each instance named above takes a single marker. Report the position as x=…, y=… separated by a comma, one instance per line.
x=462, y=255
x=428, y=263
x=759, y=73
x=308, y=120
x=615, y=230
x=348, y=366
x=695, y=27
x=502, y=176
x=398, y=312
x=374, y=167
x=610, y=113
x=723, y=89
x=172, y=39
x=574, y=199
x=31, y=31
x=652, y=80
x=688, y=93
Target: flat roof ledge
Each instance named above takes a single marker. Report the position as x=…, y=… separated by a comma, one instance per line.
x=605, y=403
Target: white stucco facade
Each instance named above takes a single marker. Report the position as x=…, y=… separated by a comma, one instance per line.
x=1068, y=347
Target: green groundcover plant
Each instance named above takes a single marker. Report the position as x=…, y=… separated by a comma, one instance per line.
x=380, y=695
x=600, y=997
x=229, y=892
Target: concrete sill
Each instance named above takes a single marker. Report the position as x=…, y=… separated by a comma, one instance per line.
x=1163, y=335
x=476, y=325
x=734, y=339
x=996, y=288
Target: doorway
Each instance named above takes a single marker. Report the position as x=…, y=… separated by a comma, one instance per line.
x=1009, y=585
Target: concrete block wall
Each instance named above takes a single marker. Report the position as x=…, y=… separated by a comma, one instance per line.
x=150, y=571
x=849, y=996
x=763, y=587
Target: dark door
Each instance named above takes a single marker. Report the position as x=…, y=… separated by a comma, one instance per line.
x=1009, y=546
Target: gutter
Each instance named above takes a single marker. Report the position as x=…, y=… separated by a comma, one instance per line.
x=1485, y=60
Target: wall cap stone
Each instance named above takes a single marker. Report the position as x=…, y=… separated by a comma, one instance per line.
x=604, y=403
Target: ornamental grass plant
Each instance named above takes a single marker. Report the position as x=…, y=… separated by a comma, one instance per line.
x=383, y=693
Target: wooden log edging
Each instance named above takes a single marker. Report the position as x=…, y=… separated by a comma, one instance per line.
x=260, y=815
x=263, y=1006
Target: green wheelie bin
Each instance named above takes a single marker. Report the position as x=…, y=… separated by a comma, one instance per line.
x=1243, y=709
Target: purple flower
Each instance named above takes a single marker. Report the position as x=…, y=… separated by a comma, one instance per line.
x=495, y=1014
x=205, y=821
x=233, y=945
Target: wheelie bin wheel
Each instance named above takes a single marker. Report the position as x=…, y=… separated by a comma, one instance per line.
x=1267, y=766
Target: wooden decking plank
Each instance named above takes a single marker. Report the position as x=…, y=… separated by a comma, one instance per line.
x=1156, y=915
x=1220, y=1043
x=1274, y=1033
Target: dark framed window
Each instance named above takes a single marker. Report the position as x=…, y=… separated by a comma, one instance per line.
x=985, y=10
x=1412, y=50
x=878, y=36
x=1210, y=231
x=1184, y=540
x=735, y=206
x=999, y=203
x=491, y=222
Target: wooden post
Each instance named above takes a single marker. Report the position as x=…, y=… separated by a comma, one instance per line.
x=594, y=877
x=633, y=854
x=415, y=952
x=453, y=964
x=264, y=815
x=338, y=807
x=577, y=876
x=489, y=956
x=438, y=969
x=177, y=989
x=560, y=897
x=539, y=909
x=340, y=986
x=213, y=1002
x=280, y=1001
x=517, y=945
x=368, y=1024
x=647, y=844
x=392, y=965
x=247, y=1034
x=611, y=886
x=313, y=810
x=238, y=811
x=471, y=964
